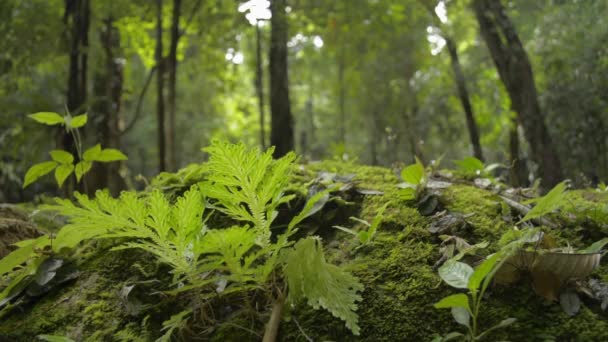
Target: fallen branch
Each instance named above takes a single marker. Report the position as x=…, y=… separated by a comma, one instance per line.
x=523, y=210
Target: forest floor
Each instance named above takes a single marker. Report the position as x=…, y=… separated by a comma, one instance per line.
x=105, y=295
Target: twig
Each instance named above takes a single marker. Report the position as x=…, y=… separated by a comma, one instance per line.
x=140, y=101
x=302, y=330
x=524, y=210
x=272, y=327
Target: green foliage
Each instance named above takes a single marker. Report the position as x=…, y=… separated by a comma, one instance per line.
x=248, y=184
x=415, y=179
x=54, y=338
x=465, y=308
x=552, y=201
x=63, y=160
x=176, y=322
x=322, y=284
x=366, y=236
x=473, y=167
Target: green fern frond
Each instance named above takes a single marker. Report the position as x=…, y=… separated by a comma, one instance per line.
x=322, y=284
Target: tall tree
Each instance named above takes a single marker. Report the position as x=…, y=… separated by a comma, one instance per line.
x=77, y=17
x=108, y=87
x=259, y=82
x=281, y=135
x=160, y=86
x=515, y=71
x=172, y=70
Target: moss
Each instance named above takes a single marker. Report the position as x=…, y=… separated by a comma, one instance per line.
x=485, y=208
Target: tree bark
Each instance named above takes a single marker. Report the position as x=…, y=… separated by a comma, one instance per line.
x=463, y=94
x=517, y=167
x=108, y=86
x=342, y=96
x=515, y=71
x=160, y=85
x=281, y=135
x=259, y=83
x=172, y=70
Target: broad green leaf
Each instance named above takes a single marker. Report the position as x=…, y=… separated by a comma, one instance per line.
x=451, y=336
x=78, y=121
x=482, y=271
x=548, y=203
x=92, y=154
x=595, y=247
x=461, y=315
x=21, y=255
x=54, y=338
x=470, y=165
x=47, y=118
x=455, y=300
x=413, y=174
x=110, y=155
x=502, y=324
x=456, y=274
x=37, y=171
x=82, y=168
x=62, y=157
x=407, y=194
x=364, y=237
x=62, y=172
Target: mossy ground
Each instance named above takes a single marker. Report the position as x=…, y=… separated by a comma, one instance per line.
x=396, y=270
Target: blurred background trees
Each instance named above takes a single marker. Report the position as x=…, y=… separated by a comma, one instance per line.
x=519, y=82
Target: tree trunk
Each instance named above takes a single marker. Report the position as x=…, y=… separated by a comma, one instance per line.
x=259, y=82
x=281, y=135
x=463, y=94
x=160, y=85
x=108, y=86
x=515, y=71
x=342, y=97
x=172, y=66
x=518, y=167
x=77, y=16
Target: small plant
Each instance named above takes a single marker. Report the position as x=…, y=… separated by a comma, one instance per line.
x=465, y=307
x=415, y=178
x=366, y=236
x=473, y=167
x=63, y=162
x=552, y=201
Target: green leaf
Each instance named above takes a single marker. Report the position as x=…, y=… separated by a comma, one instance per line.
x=482, y=271
x=502, y=324
x=92, y=154
x=82, y=168
x=54, y=338
x=322, y=284
x=364, y=237
x=78, y=121
x=451, y=336
x=456, y=274
x=470, y=165
x=548, y=203
x=110, y=155
x=596, y=247
x=47, y=118
x=455, y=300
x=21, y=255
x=407, y=194
x=62, y=172
x=461, y=315
x=62, y=157
x=413, y=174
x=37, y=171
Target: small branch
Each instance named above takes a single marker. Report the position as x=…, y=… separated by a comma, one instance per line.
x=302, y=330
x=192, y=13
x=523, y=210
x=272, y=327
x=140, y=101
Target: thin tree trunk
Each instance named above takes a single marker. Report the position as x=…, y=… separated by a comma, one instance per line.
x=517, y=167
x=281, y=135
x=108, y=86
x=515, y=71
x=259, y=82
x=160, y=100
x=77, y=14
x=172, y=66
x=463, y=94
x=342, y=97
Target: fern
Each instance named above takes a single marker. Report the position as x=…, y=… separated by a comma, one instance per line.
x=322, y=284
x=248, y=184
